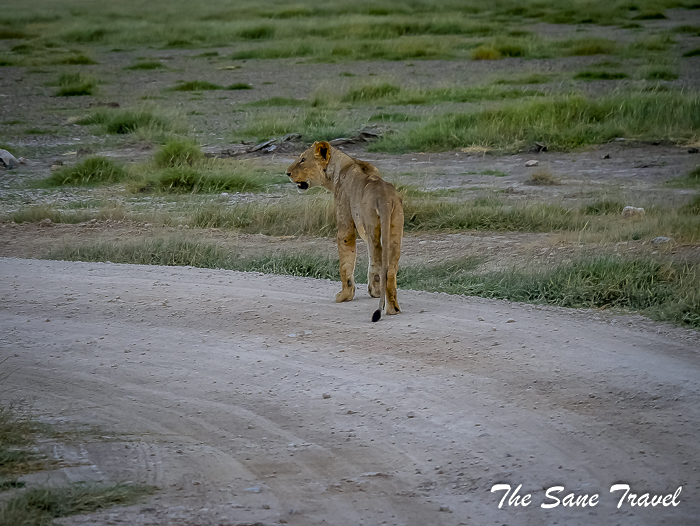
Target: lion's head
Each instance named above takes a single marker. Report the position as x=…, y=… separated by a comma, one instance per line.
x=309, y=169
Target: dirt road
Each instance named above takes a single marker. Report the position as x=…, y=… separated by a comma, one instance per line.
x=255, y=399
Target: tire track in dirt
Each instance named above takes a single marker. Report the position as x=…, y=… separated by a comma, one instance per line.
x=251, y=396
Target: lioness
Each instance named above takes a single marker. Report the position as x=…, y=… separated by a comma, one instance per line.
x=363, y=201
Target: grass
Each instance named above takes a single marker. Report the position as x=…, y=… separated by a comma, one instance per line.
x=239, y=86
x=560, y=121
x=600, y=75
x=75, y=85
x=658, y=73
x=386, y=93
x=146, y=65
x=278, y=101
x=186, y=179
x=314, y=124
x=79, y=60
x=604, y=207
x=120, y=122
x=392, y=117
x=17, y=438
x=196, y=85
x=542, y=178
x=202, y=85
x=528, y=78
x=164, y=24
x=91, y=171
x=692, y=53
x=178, y=152
x=690, y=180
x=40, y=505
x=669, y=292
x=662, y=291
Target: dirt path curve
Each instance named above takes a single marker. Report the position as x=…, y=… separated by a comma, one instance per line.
x=256, y=399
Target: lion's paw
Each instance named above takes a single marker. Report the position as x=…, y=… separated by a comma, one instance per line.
x=345, y=295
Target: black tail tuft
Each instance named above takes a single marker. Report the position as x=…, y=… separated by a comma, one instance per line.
x=377, y=314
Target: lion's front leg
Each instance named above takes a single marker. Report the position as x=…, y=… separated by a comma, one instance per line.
x=346, y=255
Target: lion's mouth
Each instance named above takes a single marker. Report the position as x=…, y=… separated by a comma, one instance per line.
x=303, y=185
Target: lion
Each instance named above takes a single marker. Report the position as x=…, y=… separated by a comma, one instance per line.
x=365, y=203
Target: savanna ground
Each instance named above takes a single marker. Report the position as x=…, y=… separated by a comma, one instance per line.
x=139, y=127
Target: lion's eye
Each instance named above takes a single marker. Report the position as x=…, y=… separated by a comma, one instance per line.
x=302, y=160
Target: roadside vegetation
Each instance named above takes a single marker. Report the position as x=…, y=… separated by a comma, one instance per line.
x=663, y=291
x=36, y=505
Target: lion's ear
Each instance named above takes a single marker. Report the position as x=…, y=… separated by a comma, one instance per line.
x=323, y=150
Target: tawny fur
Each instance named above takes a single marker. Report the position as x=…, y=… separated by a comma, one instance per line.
x=364, y=204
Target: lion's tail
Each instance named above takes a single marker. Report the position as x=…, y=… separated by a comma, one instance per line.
x=385, y=227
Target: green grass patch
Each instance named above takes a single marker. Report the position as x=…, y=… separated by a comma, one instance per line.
x=657, y=73
x=529, y=78
x=186, y=179
x=40, y=505
x=663, y=291
x=146, y=65
x=278, y=102
x=668, y=292
x=692, y=208
x=542, y=178
x=387, y=93
x=17, y=438
x=690, y=180
x=10, y=34
x=91, y=171
x=196, y=85
x=600, y=75
x=314, y=124
x=392, y=117
x=604, y=207
x=115, y=121
x=178, y=152
x=239, y=85
x=560, y=121
x=78, y=60
x=75, y=85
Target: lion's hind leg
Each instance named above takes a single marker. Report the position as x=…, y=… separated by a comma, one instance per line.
x=374, y=269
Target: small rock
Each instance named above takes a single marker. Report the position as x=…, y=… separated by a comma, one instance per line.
x=532, y=163
x=410, y=414
x=631, y=211
x=254, y=489
x=693, y=150
x=661, y=239
x=7, y=160
x=510, y=320
x=445, y=509
x=606, y=156
x=326, y=395
x=46, y=222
